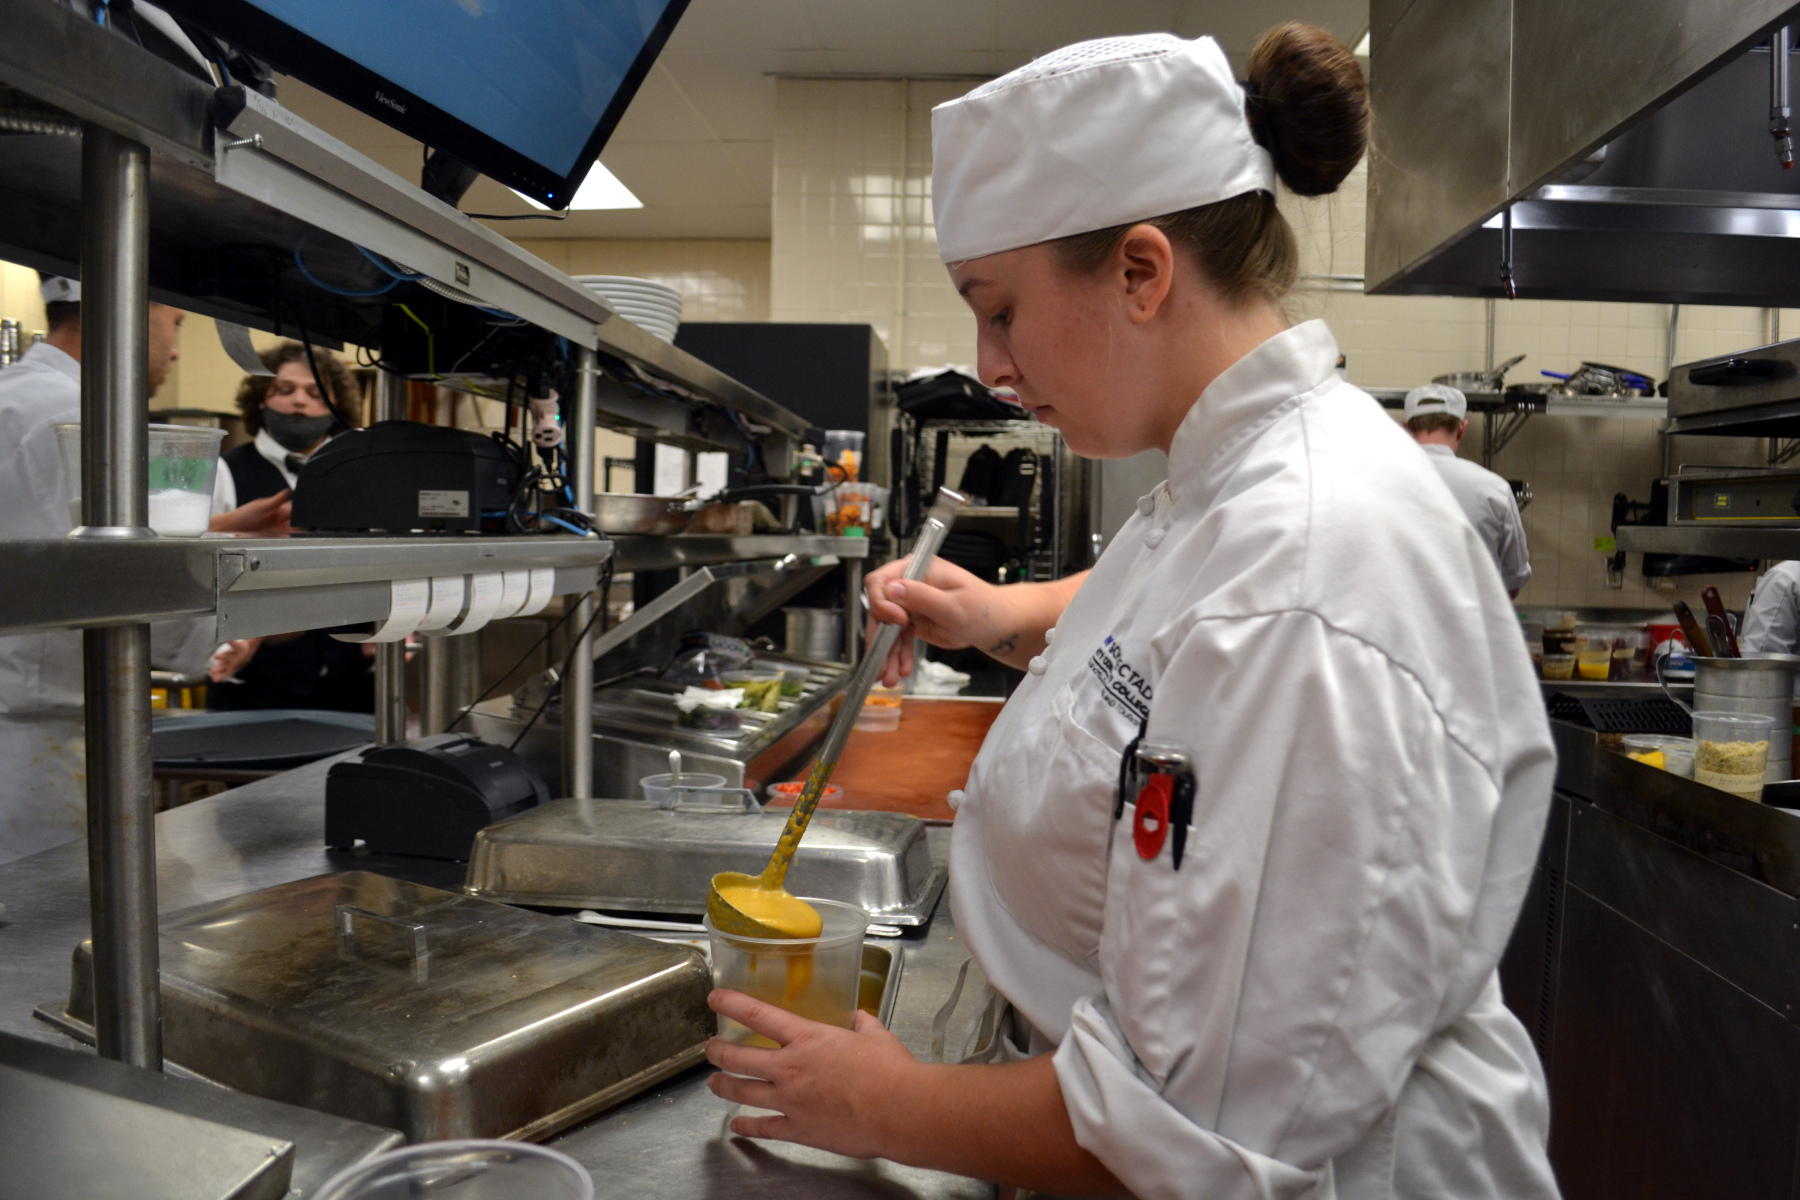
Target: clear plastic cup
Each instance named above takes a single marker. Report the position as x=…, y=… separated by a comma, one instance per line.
x=1558, y=666
x=658, y=789
x=1731, y=751
x=183, y=461
x=1672, y=754
x=1594, y=663
x=881, y=710
x=468, y=1169
x=816, y=978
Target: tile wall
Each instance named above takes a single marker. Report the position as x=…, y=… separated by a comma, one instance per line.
x=852, y=241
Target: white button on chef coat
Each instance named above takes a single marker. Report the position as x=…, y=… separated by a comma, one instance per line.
x=1308, y=1007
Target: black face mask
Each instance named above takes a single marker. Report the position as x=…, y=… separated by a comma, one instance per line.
x=297, y=433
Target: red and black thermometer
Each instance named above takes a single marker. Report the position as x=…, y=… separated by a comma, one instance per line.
x=1160, y=777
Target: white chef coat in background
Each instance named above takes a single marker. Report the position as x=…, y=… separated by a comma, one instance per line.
x=1772, y=618
x=1309, y=1006
x=1488, y=501
x=43, y=769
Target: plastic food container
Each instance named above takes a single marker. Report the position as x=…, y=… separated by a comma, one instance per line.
x=1672, y=754
x=463, y=1170
x=658, y=789
x=1558, y=666
x=1594, y=663
x=793, y=680
x=815, y=978
x=183, y=461
x=788, y=794
x=881, y=711
x=1731, y=751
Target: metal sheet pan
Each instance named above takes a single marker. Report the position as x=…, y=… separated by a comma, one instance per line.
x=433, y=1013
x=630, y=855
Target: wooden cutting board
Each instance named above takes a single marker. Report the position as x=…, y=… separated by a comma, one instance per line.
x=914, y=767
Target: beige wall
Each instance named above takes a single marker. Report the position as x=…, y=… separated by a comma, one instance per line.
x=720, y=279
x=852, y=241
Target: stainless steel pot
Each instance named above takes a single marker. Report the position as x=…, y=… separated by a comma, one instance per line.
x=1763, y=685
x=815, y=633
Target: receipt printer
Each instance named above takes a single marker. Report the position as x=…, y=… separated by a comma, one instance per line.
x=404, y=475
x=427, y=796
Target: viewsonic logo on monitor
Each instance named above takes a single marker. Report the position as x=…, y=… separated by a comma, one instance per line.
x=392, y=103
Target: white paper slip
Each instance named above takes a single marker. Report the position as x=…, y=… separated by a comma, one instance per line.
x=485, y=593
x=516, y=587
x=543, y=586
x=446, y=602
x=410, y=598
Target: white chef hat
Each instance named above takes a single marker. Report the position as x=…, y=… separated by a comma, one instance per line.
x=1091, y=136
x=59, y=289
x=1436, y=398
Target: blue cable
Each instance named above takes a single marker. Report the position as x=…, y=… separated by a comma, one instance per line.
x=337, y=291
x=391, y=271
x=564, y=524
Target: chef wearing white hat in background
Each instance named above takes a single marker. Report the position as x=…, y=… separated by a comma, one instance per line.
x=1437, y=415
x=1260, y=959
x=43, y=799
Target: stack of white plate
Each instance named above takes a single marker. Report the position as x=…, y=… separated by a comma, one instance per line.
x=653, y=307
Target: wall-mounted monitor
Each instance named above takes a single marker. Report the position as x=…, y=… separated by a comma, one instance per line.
x=525, y=91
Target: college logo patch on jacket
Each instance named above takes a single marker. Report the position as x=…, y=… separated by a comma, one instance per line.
x=1124, y=687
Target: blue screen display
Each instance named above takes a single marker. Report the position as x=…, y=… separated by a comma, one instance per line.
x=535, y=75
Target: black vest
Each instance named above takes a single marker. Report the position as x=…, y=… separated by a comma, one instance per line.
x=255, y=476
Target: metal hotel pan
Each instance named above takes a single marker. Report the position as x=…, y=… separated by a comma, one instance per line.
x=421, y=1010
x=631, y=855
x=623, y=512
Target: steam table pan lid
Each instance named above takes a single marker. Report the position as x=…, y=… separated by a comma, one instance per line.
x=631, y=855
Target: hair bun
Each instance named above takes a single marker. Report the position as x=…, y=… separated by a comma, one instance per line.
x=1308, y=106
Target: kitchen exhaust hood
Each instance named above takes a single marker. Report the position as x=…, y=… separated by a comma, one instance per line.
x=1626, y=143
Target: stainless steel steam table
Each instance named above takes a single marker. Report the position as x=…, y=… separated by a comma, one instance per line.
x=670, y=1141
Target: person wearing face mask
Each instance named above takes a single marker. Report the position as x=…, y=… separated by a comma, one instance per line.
x=288, y=415
x=1240, y=855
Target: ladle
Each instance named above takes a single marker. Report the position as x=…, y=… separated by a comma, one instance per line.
x=793, y=917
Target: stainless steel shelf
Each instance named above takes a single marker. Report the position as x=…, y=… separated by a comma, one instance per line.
x=1723, y=541
x=632, y=553
x=256, y=586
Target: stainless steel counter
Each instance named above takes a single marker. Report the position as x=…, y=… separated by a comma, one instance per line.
x=670, y=1141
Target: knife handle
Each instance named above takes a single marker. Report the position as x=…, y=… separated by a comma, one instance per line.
x=1715, y=606
x=1690, y=629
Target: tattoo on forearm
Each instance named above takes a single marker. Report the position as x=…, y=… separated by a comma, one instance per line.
x=1005, y=645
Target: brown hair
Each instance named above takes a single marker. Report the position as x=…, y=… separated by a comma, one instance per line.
x=1434, y=423
x=1309, y=108
x=255, y=389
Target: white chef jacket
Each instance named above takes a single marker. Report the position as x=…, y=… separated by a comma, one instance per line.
x=1309, y=1006
x=42, y=752
x=1772, y=618
x=1488, y=501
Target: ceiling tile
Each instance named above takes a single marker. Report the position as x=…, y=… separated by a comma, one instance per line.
x=912, y=24
x=742, y=27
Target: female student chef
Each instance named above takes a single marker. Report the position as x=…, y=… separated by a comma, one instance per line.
x=1242, y=852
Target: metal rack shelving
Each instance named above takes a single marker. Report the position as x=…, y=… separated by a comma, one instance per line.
x=633, y=553
x=258, y=586
x=151, y=185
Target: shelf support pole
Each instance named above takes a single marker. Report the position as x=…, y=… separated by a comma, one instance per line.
x=115, y=420
x=390, y=657
x=578, y=684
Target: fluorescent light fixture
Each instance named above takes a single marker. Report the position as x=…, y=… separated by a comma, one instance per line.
x=1362, y=47
x=601, y=189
